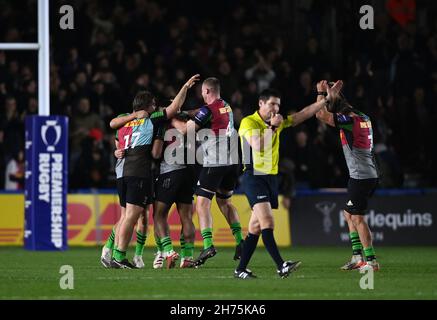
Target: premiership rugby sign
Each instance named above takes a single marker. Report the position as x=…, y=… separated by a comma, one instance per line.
x=45, y=226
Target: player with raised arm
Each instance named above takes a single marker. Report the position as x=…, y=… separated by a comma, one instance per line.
x=141, y=232
x=356, y=137
x=136, y=136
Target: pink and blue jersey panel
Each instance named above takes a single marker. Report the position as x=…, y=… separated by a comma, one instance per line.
x=356, y=136
x=136, y=138
x=218, y=117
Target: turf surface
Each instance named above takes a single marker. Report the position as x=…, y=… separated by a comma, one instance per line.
x=407, y=273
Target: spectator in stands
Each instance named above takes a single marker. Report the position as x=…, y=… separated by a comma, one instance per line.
x=13, y=128
x=84, y=121
x=14, y=175
x=119, y=49
x=261, y=72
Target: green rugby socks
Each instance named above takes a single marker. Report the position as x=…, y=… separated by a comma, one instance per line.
x=110, y=242
x=189, y=250
x=369, y=253
x=357, y=247
x=119, y=255
x=207, y=238
x=141, y=240
x=166, y=244
x=236, y=232
x=158, y=244
x=183, y=244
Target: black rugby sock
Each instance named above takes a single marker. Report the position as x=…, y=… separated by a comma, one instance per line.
x=272, y=248
x=249, y=247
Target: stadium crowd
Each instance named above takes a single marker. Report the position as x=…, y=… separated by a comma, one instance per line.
x=119, y=47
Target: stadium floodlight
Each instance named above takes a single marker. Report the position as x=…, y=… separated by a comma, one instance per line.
x=43, y=47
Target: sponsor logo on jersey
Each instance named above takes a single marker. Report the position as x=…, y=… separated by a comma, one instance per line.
x=365, y=125
x=135, y=123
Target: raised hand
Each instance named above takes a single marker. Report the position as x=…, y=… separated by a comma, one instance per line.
x=322, y=85
x=179, y=100
x=192, y=81
x=334, y=91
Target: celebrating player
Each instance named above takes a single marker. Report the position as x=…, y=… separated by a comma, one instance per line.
x=136, y=138
x=175, y=184
x=356, y=137
x=217, y=177
x=112, y=242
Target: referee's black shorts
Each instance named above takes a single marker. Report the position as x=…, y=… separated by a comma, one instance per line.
x=135, y=190
x=359, y=192
x=260, y=188
x=176, y=187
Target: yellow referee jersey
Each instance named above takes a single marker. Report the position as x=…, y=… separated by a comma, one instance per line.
x=266, y=160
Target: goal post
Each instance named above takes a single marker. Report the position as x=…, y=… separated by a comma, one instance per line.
x=46, y=154
x=43, y=48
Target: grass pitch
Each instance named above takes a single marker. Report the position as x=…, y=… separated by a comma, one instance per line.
x=407, y=273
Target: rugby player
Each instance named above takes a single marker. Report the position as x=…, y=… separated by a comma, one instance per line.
x=356, y=137
x=112, y=242
x=141, y=230
x=175, y=184
x=136, y=137
x=216, y=177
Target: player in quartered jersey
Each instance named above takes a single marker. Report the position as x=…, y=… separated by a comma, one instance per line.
x=175, y=184
x=356, y=137
x=220, y=168
x=136, y=137
x=141, y=230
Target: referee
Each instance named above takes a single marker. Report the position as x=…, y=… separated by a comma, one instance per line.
x=259, y=135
